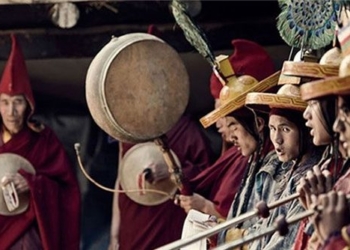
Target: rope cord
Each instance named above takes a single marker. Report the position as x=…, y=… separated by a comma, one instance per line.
x=77, y=151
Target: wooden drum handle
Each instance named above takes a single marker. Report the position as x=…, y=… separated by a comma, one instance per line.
x=180, y=180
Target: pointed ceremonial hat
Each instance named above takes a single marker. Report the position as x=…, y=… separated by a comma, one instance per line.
x=15, y=78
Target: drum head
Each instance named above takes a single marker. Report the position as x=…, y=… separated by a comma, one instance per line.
x=133, y=163
x=145, y=87
x=11, y=163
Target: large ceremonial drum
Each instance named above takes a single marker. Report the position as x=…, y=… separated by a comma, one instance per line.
x=137, y=87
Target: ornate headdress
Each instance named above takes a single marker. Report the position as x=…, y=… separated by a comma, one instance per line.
x=248, y=65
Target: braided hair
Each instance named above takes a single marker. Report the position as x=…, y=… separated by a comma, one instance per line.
x=256, y=159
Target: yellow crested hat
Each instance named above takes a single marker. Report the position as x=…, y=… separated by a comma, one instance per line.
x=325, y=87
x=287, y=97
x=242, y=72
x=298, y=72
x=232, y=96
x=335, y=85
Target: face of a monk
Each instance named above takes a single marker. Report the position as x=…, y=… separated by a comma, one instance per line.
x=285, y=137
x=223, y=129
x=314, y=118
x=242, y=139
x=12, y=110
x=342, y=124
x=221, y=124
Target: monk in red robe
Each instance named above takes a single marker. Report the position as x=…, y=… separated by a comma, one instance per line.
x=51, y=221
x=136, y=226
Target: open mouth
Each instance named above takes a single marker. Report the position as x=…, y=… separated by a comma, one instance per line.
x=312, y=132
x=307, y=124
x=236, y=144
x=311, y=128
x=279, y=151
x=344, y=144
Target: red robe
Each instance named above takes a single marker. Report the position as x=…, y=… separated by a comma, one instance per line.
x=149, y=227
x=337, y=242
x=220, y=182
x=302, y=239
x=54, y=193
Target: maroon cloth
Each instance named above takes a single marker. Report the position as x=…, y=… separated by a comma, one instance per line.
x=302, y=238
x=54, y=193
x=337, y=242
x=248, y=58
x=343, y=184
x=220, y=182
x=149, y=227
x=29, y=241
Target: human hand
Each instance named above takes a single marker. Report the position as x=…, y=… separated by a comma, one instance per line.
x=21, y=184
x=315, y=183
x=333, y=216
x=156, y=172
x=236, y=234
x=113, y=246
x=194, y=201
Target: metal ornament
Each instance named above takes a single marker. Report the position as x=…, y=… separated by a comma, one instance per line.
x=308, y=24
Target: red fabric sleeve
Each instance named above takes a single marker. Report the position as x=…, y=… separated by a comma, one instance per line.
x=220, y=182
x=302, y=238
x=335, y=242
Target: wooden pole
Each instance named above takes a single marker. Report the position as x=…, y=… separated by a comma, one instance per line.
x=8, y=2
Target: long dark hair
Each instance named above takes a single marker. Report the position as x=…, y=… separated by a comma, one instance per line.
x=328, y=106
x=255, y=162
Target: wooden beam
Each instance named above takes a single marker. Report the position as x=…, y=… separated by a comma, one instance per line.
x=9, y=2
x=86, y=42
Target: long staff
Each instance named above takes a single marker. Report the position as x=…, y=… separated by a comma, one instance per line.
x=261, y=209
x=281, y=225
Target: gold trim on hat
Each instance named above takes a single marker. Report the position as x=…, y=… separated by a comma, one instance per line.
x=257, y=100
x=239, y=101
x=324, y=87
x=309, y=69
x=289, y=80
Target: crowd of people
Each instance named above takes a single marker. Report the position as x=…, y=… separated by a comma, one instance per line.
x=277, y=140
